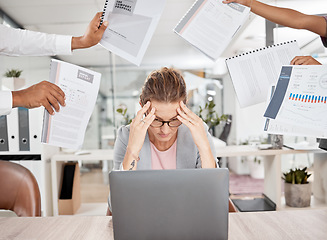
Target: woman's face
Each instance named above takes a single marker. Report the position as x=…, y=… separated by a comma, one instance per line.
x=164, y=112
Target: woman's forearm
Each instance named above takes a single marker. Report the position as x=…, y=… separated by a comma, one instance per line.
x=130, y=160
x=207, y=158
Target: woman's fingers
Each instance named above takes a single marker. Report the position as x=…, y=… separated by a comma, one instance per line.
x=149, y=118
x=184, y=121
x=191, y=116
x=142, y=111
x=184, y=116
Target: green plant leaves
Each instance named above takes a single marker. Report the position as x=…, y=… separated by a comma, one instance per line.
x=209, y=116
x=297, y=176
x=13, y=73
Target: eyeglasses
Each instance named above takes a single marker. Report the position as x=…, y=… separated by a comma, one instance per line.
x=173, y=123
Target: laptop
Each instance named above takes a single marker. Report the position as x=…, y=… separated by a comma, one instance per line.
x=170, y=204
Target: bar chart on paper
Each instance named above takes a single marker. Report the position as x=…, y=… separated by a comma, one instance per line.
x=307, y=98
x=300, y=100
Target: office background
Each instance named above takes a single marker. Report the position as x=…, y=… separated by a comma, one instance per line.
x=121, y=81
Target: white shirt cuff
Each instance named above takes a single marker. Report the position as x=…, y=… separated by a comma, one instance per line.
x=63, y=45
x=5, y=102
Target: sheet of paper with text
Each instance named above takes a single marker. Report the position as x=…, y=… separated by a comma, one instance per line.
x=299, y=102
x=67, y=127
x=253, y=72
x=274, y=126
x=131, y=26
x=210, y=25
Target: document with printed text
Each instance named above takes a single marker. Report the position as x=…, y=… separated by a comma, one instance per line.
x=274, y=126
x=253, y=72
x=299, y=102
x=67, y=127
x=131, y=26
x=210, y=25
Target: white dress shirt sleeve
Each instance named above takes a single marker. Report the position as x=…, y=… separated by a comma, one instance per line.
x=5, y=102
x=17, y=42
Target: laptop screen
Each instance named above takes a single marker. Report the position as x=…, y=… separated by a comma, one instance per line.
x=170, y=204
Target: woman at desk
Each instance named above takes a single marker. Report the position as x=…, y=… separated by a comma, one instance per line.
x=165, y=134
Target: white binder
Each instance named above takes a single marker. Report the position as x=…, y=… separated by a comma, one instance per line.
x=35, y=125
x=13, y=132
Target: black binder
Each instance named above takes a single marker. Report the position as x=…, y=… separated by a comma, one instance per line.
x=3, y=134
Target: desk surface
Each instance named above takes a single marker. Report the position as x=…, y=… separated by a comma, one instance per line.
x=292, y=224
x=246, y=150
x=99, y=154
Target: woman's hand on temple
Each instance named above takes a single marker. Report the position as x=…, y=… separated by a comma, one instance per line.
x=139, y=127
x=195, y=124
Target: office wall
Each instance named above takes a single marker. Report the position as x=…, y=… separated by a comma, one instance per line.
x=35, y=69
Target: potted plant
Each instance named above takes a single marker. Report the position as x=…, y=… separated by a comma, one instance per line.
x=209, y=116
x=122, y=109
x=297, y=188
x=12, y=79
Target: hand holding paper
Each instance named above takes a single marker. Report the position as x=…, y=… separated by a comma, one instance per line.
x=80, y=85
x=41, y=94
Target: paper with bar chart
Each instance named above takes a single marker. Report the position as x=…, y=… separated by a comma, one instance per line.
x=300, y=101
x=274, y=126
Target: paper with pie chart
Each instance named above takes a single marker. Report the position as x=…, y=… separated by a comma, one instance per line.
x=300, y=99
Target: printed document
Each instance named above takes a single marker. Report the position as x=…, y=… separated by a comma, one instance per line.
x=66, y=128
x=274, y=126
x=210, y=25
x=131, y=26
x=253, y=72
x=299, y=103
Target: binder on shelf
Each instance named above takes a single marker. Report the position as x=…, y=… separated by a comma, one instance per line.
x=24, y=133
x=254, y=72
x=35, y=129
x=13, y=134
x=4, y=146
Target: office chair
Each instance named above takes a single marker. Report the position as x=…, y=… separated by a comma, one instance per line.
x=226, y=130
x=224, y=136
x=19, y=191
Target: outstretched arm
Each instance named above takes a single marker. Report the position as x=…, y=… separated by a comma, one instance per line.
x=285, y=16
x=18, y=42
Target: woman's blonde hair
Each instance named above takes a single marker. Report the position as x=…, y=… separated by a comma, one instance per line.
x=164, y=85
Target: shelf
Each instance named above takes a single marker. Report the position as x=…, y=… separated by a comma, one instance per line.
x=315, y=204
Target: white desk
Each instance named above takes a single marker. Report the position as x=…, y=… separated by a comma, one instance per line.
x=56, y=168
x=281, y=225
x=272, y=164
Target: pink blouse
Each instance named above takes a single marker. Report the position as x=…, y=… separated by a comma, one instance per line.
x=163, y=159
